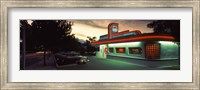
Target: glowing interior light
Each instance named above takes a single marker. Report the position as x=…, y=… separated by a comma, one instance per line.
x=125, y=44
x=120, y=50
x=166, y=42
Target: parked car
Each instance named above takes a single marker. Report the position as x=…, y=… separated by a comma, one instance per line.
x=70, y=58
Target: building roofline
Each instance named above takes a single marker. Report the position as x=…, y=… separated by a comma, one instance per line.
x=136, y=38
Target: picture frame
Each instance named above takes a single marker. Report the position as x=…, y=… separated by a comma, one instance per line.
x=4, y=50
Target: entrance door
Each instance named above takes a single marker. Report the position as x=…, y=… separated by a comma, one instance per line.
x=152, y=51
x=103, y=52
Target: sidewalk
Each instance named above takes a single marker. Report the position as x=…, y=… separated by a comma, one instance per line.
x=50, y=65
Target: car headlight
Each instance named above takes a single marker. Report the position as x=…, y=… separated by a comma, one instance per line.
x=81, y=60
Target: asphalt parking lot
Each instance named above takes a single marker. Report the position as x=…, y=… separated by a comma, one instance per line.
x=93, y=64
x=104, y=64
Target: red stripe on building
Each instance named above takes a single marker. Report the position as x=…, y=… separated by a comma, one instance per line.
x=149, y=37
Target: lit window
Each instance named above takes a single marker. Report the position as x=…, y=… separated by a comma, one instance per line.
x=120, y=50
x=111, y=50
x=152, y=51
x=135, y=50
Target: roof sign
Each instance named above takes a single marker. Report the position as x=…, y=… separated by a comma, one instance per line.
x=112, y=28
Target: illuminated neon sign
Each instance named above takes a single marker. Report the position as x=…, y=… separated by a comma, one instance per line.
x=112, y=28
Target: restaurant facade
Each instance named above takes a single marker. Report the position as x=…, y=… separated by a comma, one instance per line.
x=133, y=45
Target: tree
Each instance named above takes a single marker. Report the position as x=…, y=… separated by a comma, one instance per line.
x=49, y=34
x=89, y=47
x=24, y=29
x=92, y=39
x=26, y=35
x=171, y=27
x=72, y=43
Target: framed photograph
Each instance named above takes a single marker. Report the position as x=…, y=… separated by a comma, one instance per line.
x=99, y=44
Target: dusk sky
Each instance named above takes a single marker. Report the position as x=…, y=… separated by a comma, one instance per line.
x=84, y=28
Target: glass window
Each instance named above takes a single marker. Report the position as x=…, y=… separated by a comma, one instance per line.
x=120, y=50
x=111, y=50
x=135, y=50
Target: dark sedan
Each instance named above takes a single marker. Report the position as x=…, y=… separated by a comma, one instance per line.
x=70, y=58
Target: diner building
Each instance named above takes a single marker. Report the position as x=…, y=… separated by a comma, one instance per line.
x=133, y=45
